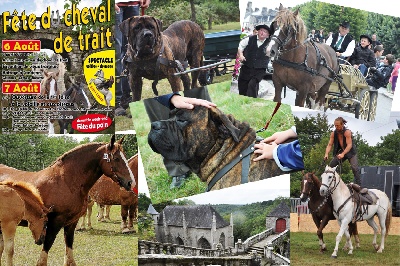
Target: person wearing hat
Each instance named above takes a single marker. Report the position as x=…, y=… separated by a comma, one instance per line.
x=342, y=42
x=252, y=55
x=362, y=57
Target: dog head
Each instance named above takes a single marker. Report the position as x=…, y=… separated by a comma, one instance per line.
x=143, y=33
x=190, y=136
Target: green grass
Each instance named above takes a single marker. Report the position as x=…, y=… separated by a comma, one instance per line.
x=254, y=111
x=224, y=27
x=103, y=245
x=304, y=250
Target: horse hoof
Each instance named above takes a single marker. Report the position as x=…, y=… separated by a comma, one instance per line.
x=126, y=231
x=334, y=257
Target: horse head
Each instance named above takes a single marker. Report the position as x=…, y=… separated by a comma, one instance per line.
x=306, y=186
x=115, y=165
x=330, y=180
x=292, y=31
x=79, y=96
x=39, y=225
x=49, y=83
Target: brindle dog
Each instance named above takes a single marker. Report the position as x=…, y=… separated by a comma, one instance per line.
x=152, y=54
x=206, y=140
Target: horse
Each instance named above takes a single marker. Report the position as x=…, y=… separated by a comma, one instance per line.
x=74, y=95
x=65, y=184
x=300, y=63
x=345, y=210
x=106, y=193
x=321, y=208
x=20, y=201
x=49, y=93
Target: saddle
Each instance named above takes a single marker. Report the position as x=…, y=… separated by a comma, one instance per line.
x=363, y=196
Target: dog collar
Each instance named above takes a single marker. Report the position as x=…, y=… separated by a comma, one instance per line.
x=244, y=157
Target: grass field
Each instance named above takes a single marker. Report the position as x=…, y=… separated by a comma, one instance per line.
x=101, y=246
x=255, y=111
x=304, y=250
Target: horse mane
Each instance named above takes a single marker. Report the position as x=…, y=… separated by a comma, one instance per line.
x=80, y=148
x=24, y=188
x=286, y=17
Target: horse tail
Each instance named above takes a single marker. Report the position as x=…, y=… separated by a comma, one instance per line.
x=388, y=218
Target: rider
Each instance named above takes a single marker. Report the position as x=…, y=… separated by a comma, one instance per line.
x=343, y=148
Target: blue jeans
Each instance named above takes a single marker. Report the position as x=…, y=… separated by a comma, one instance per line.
x=363, y=69
x=122, y=90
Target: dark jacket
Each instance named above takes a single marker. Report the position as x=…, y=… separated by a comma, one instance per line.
x=336, y=146
x=345, y=42
x=363, y=56
x=255, y=56
x=380, y=77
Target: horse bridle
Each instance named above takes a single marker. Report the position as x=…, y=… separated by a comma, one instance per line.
x=108, y=157
x=330, y=191
x=283, y=43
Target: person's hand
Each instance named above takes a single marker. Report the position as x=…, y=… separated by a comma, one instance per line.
x=340, y=156
x=355, y=66
x=242, y=58
x=266, y=151
x=145, y=3
x=325, y=157
x=117, y=9
x=280, y=137
x=182, y=102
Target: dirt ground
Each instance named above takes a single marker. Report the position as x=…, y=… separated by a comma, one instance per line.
x=306, y=224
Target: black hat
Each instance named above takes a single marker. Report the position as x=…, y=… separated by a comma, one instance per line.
x=264, y=27
x=345, y=24
x=366, y=36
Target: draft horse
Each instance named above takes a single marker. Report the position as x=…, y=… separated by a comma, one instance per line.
x=20, y=201
x=65, y=184
x=49, y=96
x=106, y=193
x=300, y=63
x=345, y=209
x=321, y=208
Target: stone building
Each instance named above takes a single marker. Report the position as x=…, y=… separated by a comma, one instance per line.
x=256, y=16
x=279, y=218
x=196, y=226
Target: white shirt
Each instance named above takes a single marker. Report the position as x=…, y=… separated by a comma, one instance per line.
x=245, y=41
x=349, y=49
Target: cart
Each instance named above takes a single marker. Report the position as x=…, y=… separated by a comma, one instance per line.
x=219, y=51
x=352, y=94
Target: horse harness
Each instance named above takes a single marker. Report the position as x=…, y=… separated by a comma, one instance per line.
x=303, y=66
x=244, y=158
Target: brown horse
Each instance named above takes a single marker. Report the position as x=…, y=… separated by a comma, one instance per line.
x=300, y=63
x=106, y=192
x=66, y=183
x=20, y=201
x=321, y=208
x=49, y=96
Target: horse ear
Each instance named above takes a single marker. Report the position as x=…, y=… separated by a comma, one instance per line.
x=280, y=7
x=45, y=72
x=121, y=140
x=296, y=12
x=110, y=146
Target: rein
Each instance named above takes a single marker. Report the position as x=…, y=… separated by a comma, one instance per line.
x=278, y=104
x=243, y=157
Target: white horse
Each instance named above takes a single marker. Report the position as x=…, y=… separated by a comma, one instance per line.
x=345, y=209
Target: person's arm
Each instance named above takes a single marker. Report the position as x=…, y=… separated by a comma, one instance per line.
x=349, y=143
x=145, y=3
x=242, y=45
x=329, y=146
x=371, y=60
x=329, y=40
x=281, y=136
x=175, y=100
x=349, y=49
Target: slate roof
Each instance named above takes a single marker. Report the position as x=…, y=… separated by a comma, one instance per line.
x=151, y=210
x=199, y=216
x=281, y=211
